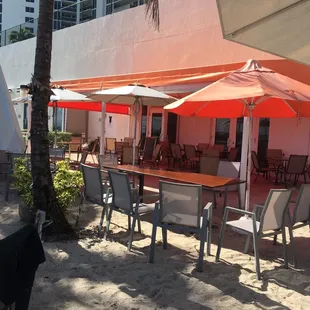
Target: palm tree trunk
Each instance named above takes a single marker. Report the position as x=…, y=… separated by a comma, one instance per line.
x=43, y=191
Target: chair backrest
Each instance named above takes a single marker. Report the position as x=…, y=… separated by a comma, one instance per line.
x=276, y=205
x=219, y=147
x=211, y=152
x=77, y=142
x=156, y=153
x=180, y=204
x=209, y=164
x=297, y=164
x=190, y=151
x=202, y=146
x=119, y=146
x=232, y=154
x=177, y=152
x=122, y=193
x=110, y=144
x=93, y=188
x=302, y=210
x=57, y=152
x=274, y=154
x=84, y=157
x=128, y=140
x=255, y=160
x=95, y=146
x=229, y=169
x=149, y=147
x=127, y=155
x=107, y=160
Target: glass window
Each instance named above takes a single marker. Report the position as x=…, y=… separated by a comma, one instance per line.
x=156, y=124
x=29, y=29
x=0, y=7
x=32, y=1
x=143, y=122
x=29, y=9
x=222, y=130
x=29, y=20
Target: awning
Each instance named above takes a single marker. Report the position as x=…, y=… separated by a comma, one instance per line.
x=92, y=106
x=183, y=77
x=277, y=27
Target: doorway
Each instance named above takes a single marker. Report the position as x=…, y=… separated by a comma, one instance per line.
x=239, y=134
x=156, y=124
x=222, y=129
x=263, y=138
x=143, y=122
x=172, y=127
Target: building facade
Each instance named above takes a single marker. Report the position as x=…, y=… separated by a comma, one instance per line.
x=120, y=46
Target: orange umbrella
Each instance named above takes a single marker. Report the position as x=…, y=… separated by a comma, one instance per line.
x=252, y=91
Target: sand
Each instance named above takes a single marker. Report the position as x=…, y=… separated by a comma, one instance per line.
x=92, y=273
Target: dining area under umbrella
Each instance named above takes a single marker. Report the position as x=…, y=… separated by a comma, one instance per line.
x=134, y=95
x=252, y=91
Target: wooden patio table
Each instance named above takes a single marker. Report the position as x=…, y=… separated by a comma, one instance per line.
x=209, y=182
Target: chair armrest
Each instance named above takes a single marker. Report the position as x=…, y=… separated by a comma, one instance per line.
x=227, y=209
x=208, y=206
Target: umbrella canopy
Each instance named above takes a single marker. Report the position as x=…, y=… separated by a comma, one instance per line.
x=252, y=91
x=269, y=94
x=129, y=94
x=136, y=95
x=277, y=27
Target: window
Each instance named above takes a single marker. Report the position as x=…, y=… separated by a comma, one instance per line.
x=32, y=1
x=222, y=130
x=0, y=7
x=29, y=20
x=29, y=10
x=0, y=18
x=29, y=29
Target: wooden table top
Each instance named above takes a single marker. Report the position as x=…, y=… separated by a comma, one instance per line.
x=205, y=180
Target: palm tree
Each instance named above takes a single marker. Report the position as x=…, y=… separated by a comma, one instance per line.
x=152, y=11
x=22, y=34
x=43, y=191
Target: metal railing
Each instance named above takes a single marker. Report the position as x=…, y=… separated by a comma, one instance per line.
x=67, y=16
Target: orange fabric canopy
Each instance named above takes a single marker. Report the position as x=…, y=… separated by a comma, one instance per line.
x=206, y=74
x=254, y=88
x=91, y=106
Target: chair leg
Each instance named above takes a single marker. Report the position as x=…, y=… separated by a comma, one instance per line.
x=132, y=231
x=164, y=233
x=221, y=237
x=256, y=253
x=203, y=239
x=154, y=230
x=257, y=175
x=305, y=178
x=292, y=242
x=275, y=236
x=139, y=225
x=247, y=244
x=108, y=221
x=284, y=247
x=102, y=218
x=129, y=222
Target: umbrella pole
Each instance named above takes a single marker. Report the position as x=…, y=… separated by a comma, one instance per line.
x=136, y=112
x=248, y=179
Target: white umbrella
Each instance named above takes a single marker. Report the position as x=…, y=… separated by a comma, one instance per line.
x=136, y=95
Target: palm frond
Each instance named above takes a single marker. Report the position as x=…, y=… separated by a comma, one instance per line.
x=152, y=11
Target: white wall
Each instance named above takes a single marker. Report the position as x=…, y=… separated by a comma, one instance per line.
x=125, y=42
x=118, y=128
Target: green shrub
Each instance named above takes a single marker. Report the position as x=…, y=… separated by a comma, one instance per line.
x=62, y=136
x=67, y=183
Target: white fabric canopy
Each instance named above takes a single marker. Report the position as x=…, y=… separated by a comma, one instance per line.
x=280, y=27
x=11, y=138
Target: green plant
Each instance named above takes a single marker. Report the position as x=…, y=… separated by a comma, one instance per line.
x=22, y=180
x=67, y=183
x=21, y=35
x=62, y=136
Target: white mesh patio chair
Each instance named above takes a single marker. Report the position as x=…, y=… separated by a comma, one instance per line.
x=95, y=191
x=270, y=221
x=126, y=200
x=298, y=215
x=179, y=208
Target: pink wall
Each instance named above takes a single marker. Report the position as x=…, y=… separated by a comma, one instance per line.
x=194, y=130
x=290, y=135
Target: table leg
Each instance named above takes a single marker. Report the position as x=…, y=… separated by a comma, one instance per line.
x=141, y=185
x=69, y=151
